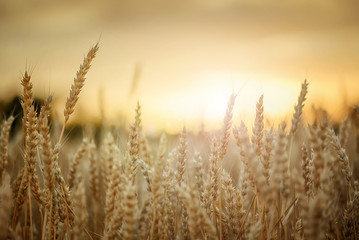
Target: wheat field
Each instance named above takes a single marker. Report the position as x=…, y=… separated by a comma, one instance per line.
x=295, y=180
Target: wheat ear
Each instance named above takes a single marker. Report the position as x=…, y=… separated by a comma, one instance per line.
x=258, y=128
x=133, y=151
x=48, y=159
x=296, y=118
x=156, y=181
x=226, y=131
x=76, y=162
x=299, y=107
x=4, y=142
x=76, y=87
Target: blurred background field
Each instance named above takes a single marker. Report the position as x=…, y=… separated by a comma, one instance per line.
x=183, y=59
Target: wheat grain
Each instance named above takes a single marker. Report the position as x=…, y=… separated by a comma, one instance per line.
x=79, y=82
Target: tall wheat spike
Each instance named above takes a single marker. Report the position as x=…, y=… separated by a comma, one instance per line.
x=76, y=87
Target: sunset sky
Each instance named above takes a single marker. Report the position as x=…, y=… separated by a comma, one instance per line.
x=189, y=55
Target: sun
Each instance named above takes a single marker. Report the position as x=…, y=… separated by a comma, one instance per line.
x=214, y=92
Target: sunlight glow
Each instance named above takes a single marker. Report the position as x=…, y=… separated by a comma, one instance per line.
x=214, y=92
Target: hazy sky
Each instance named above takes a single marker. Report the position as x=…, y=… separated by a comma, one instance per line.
x=191, y=55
